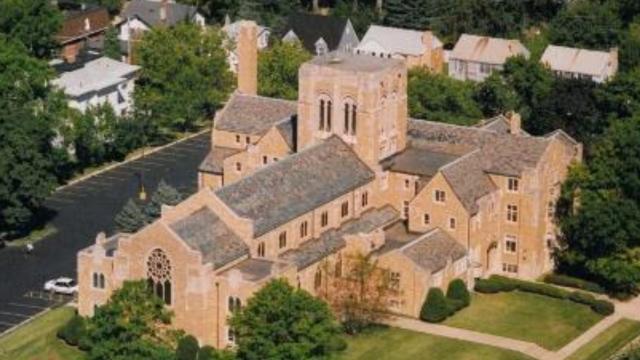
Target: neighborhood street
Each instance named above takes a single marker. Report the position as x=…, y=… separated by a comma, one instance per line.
x=81, y=211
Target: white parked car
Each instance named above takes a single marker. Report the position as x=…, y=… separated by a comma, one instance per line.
x=61, y=285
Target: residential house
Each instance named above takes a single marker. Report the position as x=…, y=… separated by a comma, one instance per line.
x=139, y=16
x=232, y=30
x=320, y=34
x=417, y=48
x=82, y=30
x=97, y=80
x=566, y=62
x=476, y=57
x=291, y=189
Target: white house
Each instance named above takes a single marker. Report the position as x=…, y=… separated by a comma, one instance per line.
x=99, y=81
x=139, y=16
x=232, y=29
x=476, y=57
x=597, y=66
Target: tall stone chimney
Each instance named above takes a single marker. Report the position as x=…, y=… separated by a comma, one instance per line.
x=247, y=50
x=515, y=122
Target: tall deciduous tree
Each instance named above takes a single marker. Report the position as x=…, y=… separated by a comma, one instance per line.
x=112, y=44
x=281, y=322
x=185, y=76
x=30, y=112
x=269, y=13
x=586, y=23
x=278, y=70
x=34, y=23
x=495, y=96
x=357, y=290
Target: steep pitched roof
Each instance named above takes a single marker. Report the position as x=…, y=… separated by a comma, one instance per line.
x=79, y=24
x=432, y=251
x=213, y=163
x=331, y=241
x=255, y=115
x=203, y=231
x=314, y=177
x=397, y=40
x=309, y=28
x=486, y=49
x=582, y=61
x=418, y=161
x=468, y=179
x=149, y=12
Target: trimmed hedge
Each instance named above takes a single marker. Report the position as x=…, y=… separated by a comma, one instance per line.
x=457, y=292
x=187, y=348
x=573, y=282
x=435, y=308
x=496, y=284
x=73, y=331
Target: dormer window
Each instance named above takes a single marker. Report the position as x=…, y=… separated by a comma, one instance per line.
x=321, y=47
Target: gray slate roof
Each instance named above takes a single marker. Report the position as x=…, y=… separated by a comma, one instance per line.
x=203, y=231
x=253, y=269
x=486, y=151
x=254, y=115
x=331, y=241
x=314, y=177
x=418, y=161
x=149, y=12
x=432, y=251
x=213, y=163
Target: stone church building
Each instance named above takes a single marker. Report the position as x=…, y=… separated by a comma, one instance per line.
x=291, y=185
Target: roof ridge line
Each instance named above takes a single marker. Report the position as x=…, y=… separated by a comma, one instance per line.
x=419, y=238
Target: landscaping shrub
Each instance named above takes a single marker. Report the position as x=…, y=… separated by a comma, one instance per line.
x=505, y=283
x=570, y=281
x=487, y=286
x=542, y=289
x=582, y=297
x=73, y=331
x=435, y=308
x=187, y=348
x=455, y=305
x=603, y=307
x=336, y=344
x=207, y=353
x=457, y=292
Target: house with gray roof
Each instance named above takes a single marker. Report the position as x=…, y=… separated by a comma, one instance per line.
x=321, y=34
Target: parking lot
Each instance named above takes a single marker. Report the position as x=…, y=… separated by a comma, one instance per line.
x=81, y=211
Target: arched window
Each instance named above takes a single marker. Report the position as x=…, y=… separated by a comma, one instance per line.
x=101, y=281
x=346, y=118
x=159, y=275
x=354, y=111
x=95, y=280
x=329, y=115
x=261, y=249
x=321, y=113
x=324, y=113
x=317, y=281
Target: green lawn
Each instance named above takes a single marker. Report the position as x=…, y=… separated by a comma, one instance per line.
x=37, y=340
x=609, y=342
x=400, y=344
x=548, y=322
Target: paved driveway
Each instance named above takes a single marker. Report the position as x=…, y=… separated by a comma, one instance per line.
x=83, y=210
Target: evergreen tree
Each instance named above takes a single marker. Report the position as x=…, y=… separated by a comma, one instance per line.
x=435, y=308
x=406, y=13
x=164, y=195
x=112, y=44
x=131, y=218
x=458, y=291
x=187, y=348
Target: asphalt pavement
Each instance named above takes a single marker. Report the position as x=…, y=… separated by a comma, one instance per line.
x=81, y=211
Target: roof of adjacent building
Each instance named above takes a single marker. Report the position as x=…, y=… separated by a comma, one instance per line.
x=254, y=115
x=574, y=60
x=481, y=151
x=253, y=269
x=148, y=11
x=354, y=62
x=333, y=240
x=397, y=40
x=309, y=28
x=232, y=29
x=214, y=162
x=432, y=251
x=484, y=49
x=94, y=76
x=203, y=231
x=79, y=24
x=314, y=177
x=418, y=161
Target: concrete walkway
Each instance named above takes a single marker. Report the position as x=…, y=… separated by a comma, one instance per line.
x=528, y=348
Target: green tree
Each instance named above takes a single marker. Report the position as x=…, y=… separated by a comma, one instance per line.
x=131, y=325
x=457, y=291
x=620, y=97
x=188, y=348
x=30, y=113
x=361, y=15
x=184, y=78
x=281, y=322
x=435, y=308
x=112, y=44
x=587, y=23
x=209, y=353
x=164, y=195
x=32, y=22
x=494, y=96
x=278, y=70
x=94, y=134
x=131, y=218
x=437, y=97
x=272, y=14
x=405, y=13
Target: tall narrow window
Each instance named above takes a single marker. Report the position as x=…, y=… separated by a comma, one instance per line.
x=338, y=266
x=324, y=219
x=405, y=209
x=101, y=281
x=282, y=239
x=440, y=196
x=513, y=184
x=346, y=118
x=427, y=219
x=304, y=227
x=261, y=249
x=512, y=213
x=321, y=120
x=95, y=280
x=354, y=111
x=510, y=244
x=345, y=209
x=329, y=111
x=365, y=199
x=317, y=280
x=452, y=223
